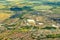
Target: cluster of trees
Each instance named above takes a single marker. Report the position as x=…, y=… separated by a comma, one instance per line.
x=19, y=10
x=49, y=27
x=53, y=3
x=16, y=8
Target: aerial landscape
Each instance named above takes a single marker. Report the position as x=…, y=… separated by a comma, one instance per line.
x=29, y=19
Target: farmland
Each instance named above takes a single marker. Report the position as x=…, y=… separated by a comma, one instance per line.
x=30, y=20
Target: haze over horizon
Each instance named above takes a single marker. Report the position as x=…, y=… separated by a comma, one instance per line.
x=5, y=1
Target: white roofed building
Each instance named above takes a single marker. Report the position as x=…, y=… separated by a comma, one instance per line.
x=31, y=22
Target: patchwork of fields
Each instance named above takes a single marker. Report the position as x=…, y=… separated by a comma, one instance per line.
x=30, y=20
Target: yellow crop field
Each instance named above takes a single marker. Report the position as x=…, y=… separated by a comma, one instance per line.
x=4, y=16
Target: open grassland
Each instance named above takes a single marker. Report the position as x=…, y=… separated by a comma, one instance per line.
x=45, y=7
